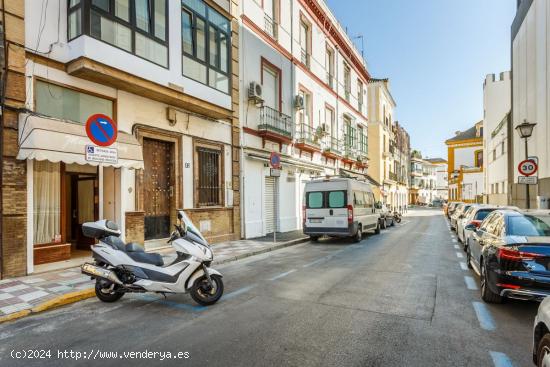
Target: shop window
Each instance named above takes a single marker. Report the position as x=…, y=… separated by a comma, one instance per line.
x=136, y=26
x=46, y=202
x=206, y=44
x=209, y=167
x=68, y=104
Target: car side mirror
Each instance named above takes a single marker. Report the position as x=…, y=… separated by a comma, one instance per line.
x=470, y=227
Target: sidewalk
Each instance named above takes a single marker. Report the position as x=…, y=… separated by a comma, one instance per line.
x=35, y=293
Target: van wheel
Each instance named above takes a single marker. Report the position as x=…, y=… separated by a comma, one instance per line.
x=358, y=235
x=314, y=238
x=377, y=230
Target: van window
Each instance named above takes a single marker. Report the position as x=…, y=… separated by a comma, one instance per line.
x=358, y=199
x=369, y=200
x=336, y=199
x=314, y=200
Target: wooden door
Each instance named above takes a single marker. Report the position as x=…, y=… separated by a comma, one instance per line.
x=158, y=187
x=84, y=207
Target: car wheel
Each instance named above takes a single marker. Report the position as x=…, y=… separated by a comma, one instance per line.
x=314, y=238
x=543, y=352
x=377, y=229
x=384, y=224
x=468, y=257
x=359, y=235
x=392, y=222
x=486, y=293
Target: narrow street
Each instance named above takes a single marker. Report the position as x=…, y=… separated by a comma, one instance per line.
x=404, y=297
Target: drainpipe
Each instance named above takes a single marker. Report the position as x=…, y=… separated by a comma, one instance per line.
x=2, y=111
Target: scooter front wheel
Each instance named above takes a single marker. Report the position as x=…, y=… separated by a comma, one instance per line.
x=205, y=294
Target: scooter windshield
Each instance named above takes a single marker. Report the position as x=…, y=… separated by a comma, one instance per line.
x=191, y=229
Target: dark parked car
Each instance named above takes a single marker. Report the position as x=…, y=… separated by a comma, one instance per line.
x=510, y=251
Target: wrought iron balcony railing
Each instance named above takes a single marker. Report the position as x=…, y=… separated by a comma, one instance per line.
x=270, y=27
x=306, y=134
x=305, y=57
x=275, y=121
x=332, y=145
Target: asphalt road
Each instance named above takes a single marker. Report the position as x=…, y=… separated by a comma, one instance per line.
x=401, y=298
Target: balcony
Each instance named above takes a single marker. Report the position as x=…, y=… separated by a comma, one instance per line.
x=332, y=148
x=393, y=176
x=329, y=79
x=270, y=27
x=350, y=151
x=275, y=125
x=308, y=138
x=305, y=57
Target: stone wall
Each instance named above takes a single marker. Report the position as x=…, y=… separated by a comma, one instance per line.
x=14, y=172
x=216, y=225
x=135, y=224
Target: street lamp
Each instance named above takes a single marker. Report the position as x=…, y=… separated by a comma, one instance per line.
x=525, y=131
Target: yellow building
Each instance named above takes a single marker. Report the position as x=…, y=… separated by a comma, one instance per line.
x=465, y=157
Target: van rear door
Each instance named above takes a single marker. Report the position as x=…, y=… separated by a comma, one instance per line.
x=327, y=209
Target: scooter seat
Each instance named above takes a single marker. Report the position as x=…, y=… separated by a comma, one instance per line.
x=134, y=247
x=148, y=258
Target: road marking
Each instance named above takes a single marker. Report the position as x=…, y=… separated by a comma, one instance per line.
x=484, y=316
x=500, y=359
x=463, y=266
x=283, y=274
x=454, y=240
x=470, y=283
x=456, y=247
x=238, y=292
x=459, y=255
x=316, y=262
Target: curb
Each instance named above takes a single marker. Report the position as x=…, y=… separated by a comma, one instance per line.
x=58, y=301
x=263, y=251
x=73, y=297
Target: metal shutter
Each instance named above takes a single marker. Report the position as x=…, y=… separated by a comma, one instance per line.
x=270, y=207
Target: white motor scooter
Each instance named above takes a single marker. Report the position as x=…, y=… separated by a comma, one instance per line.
x=120, y=268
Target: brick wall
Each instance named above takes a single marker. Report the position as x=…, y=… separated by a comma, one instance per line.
x=220, y=220
x=135, y=223
x=14, y=172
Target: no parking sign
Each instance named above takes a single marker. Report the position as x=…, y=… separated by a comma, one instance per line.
x=101, y=130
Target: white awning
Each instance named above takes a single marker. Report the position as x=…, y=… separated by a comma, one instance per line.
x=45, y=138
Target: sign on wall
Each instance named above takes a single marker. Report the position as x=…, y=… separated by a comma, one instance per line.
x=101, y=130
x=101, y=154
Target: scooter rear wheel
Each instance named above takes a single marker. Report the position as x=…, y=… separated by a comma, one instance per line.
x=205, y=295
x=105, y=292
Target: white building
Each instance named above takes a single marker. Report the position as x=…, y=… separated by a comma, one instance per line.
x=162, y=71
x=423, y=185
x=496, y=102
x=311, y=109
x=531, y=95
x=441, y=178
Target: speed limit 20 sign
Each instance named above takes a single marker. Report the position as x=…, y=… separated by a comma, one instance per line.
x=528, y=167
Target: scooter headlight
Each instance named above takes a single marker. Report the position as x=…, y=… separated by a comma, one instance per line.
x=207, y=253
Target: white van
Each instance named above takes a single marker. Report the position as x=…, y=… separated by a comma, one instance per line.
x=339, y=207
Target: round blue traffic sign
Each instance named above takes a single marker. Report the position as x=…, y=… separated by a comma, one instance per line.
x=101, y=130
x=275, y=160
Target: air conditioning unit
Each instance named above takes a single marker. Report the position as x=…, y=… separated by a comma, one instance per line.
x=255, y=92
x=299, y=102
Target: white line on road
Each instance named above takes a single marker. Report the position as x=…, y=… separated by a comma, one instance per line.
x=484, y=316
x=316, y=262
x=456, y=247
x=283, y=275
x=500, y=359
x=470, y=283
x=463, y=266
x=238, y=292
x=459, y=255
x=454, y=240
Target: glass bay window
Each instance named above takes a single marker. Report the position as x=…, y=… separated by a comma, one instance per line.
x=206, y=44
x=136, y=26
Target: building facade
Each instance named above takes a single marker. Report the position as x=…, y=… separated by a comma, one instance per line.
x=465, y=167
x=530, y=98
x=496, y=102
x=423, y=180
x=167, y=73
x=303, y=97
x=441, y=178
x=389, y=146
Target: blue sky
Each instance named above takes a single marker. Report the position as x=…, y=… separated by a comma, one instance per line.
x=436, y=54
